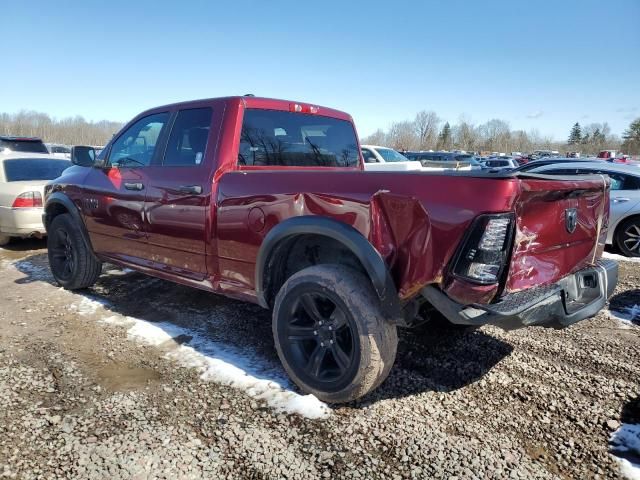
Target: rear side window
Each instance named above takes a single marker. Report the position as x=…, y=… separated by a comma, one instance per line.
x=23, y=169
x=23, y=145
x=275, y=138
x=188, y=139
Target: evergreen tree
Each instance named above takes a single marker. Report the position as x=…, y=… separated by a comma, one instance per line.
x=576, y=134
x=631, y=137
x=444, y=139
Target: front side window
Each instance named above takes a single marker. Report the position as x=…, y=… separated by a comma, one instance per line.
x=188, y=140
x=276, y=138
x=137, y=145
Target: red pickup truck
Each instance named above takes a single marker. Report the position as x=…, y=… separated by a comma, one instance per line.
x=267, y=201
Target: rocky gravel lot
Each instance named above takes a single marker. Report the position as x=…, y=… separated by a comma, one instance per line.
x=139, y=378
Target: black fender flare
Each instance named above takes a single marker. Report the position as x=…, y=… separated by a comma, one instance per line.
x=351, y=238
x=61, y=199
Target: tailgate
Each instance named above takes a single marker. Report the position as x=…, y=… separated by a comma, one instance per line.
x=561, y=225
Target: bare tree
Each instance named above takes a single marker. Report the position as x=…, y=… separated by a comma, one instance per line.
x=69, y=131
x=402, y=136
x=426, y=129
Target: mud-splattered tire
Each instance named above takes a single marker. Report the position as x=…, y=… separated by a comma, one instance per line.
x=331, y=335
x=4, y=239
x=72, y=264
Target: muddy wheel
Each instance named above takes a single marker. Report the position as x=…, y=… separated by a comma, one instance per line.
x=628, y=237
x=331, y=335
x=4, y=239
x=72, y=264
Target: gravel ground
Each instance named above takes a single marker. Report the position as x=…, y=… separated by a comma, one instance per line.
x=81, y=398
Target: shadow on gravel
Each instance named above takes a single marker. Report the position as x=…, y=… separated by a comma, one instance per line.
x=434, y=358
x=241, y=327
x=442, y=359
x=26, y=244
x=624, y=303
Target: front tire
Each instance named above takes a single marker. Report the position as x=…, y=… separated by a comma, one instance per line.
x=628, y=237
x=72, y=263
x=331, y=335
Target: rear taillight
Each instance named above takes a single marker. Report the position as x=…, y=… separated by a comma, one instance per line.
x=28, y=200
x=484, y=254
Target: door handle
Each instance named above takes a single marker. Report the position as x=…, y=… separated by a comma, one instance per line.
x=133, y=186
x=192, y=189
x=620, y=200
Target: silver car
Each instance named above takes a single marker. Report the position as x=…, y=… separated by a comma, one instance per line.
x=624, y=219
x=22, y=180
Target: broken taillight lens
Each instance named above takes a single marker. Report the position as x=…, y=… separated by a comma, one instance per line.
x=485, y=252
x=28, y=200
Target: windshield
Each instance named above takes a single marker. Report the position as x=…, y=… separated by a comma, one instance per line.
x=391, y=155
x=22, y=169
x=23, y=145
x=276, y=138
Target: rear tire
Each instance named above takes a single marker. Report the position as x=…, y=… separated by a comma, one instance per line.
x=72, y=263
x=331, y=335
x=628, y=237
x=4, y=239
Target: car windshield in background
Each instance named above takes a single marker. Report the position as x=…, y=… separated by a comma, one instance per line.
x=391, y=155
x=467, y=158
x=276, y=138
x=23, y=169
x=23, y=145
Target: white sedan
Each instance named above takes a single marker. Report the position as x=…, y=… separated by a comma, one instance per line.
x=22, y=180
x=383, y=159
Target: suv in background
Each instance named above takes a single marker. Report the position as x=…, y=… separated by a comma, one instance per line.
x=22, y=144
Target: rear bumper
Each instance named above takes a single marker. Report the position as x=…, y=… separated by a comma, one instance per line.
x=21, y=222
x=574, y=298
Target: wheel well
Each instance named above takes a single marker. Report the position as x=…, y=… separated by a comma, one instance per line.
x=296, y=252
x=52, y=211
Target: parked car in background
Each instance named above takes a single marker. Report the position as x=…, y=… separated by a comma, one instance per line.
x=377, y=158
x=500, y=163
x=283, y=215
x=10, y=144
x=532, y=165
x=60, y=151
x=624, y=217
x=451, y=160
x=22, y=180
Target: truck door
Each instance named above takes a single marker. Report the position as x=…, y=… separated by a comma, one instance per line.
x=178, y=194
x=114, y=194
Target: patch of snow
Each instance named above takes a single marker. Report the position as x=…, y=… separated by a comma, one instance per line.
x=620, y=258
x=88, y=305
x=222, y=364
x=625, y=442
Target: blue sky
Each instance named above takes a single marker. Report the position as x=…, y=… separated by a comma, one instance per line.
x=543, y=64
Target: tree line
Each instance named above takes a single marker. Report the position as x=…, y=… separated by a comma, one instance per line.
x=68, y=131
x=427, y=131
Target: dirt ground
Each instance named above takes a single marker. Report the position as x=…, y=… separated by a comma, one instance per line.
x=138, y=378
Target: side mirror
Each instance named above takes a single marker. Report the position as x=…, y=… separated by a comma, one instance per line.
x=83, y=156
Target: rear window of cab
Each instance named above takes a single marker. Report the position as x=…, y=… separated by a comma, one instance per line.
x=291, y=139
